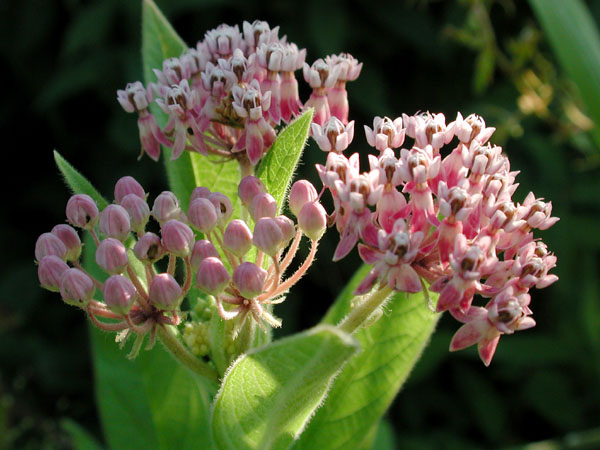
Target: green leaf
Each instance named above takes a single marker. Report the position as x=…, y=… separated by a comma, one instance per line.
x=269, y=394
x=166, y=405
x=82, y=439
x=77, y=182
x=365, y=388
x=484, y=70
x=575, y=40
x=159, y=42
x=277, y=168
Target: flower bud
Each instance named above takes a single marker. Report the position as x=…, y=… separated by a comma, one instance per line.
x=287, y=227
x=312, y=220
x=166, y=207
x=250, y=187
x=203, y=215
x=68, y=235
x=267, y=236
x=148, y=249
x=82, y=211
x=76, y=287
x=165, y=293
x=177, y=238
x=249, y=279
x=119, y=294
x=138, y=210
x=114, y=222
x=50, y=271
x=111, y=256
x=202, y=250
x=301, y=193
x=49, y=244
x=262, y=205
x=126, y=186
x=199, y=192
x=237, y=237
x=212, y=276
x=222, y=205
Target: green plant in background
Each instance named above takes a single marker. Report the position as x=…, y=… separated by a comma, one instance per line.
x=458, y=233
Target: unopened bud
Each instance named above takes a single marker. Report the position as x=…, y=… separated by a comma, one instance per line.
x=203, y=215
x=76, y=287
x=119, y=294
x=166, y=207
x=165, y=293
x=268, y=236
x=312, y=220
x=249, y=279
x=82, y=211
x=237, y=237
x=301, y=193
x=222, y=205
x=138, y=210
x=148, y=249
x=177, y=238
x=262, y=205
x=49, y=244
x=199, y=192
x=126, y=186
x=111, y=256
x=50, y=271
x=250, y=187
x=212, y=276
x=68, y=235
x=114, y=222
x=202, y=250
x=287, y=227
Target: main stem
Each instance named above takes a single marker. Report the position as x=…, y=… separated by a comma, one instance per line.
x=359, y=315
x=184, y=356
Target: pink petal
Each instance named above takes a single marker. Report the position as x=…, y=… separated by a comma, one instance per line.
x=487, y=348
x=467, y=335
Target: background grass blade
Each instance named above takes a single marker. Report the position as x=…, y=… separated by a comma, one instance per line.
x=575, y=39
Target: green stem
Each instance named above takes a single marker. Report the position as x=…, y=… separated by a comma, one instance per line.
x=245, y=167
x=184, y=356
x=361, y=313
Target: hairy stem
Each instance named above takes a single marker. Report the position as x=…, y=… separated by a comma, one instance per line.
x=361, y=313
x=184, y=356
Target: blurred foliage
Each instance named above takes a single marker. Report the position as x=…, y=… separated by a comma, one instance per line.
x=63, y=62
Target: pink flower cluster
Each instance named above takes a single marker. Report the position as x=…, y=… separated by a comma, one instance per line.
x=228, y=263
x=227, y=95
x=420, y=217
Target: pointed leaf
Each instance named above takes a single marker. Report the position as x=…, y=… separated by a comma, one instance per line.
x=269, y=394
x=575, y=39
x=365, y=388
x=159, y=42
x=278, y=166
x=82, y=439
x=166, y=405
x=77, y=182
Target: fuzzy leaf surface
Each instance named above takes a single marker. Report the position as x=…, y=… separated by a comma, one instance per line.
x=159, y=42
x=365, y=388
x=153, y=395
x=269, y=394
x=166, y=405
x=77, y=182
x=277, y=168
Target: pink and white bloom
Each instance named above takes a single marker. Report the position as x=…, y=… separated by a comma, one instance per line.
x=385, y=133
x=258, y=135
x=333, y=135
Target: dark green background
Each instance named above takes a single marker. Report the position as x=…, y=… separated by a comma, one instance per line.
x=62, y=62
